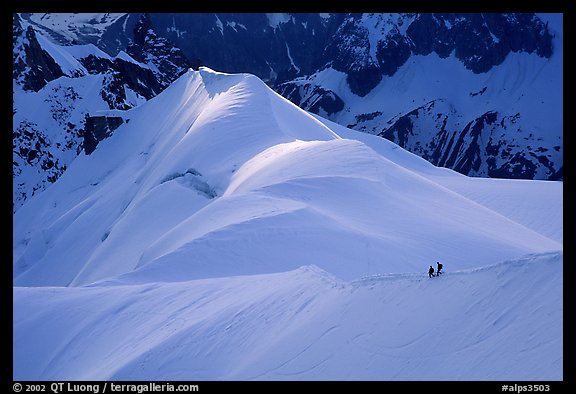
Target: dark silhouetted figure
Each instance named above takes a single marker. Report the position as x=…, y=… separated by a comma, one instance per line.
x=439, y=268
x=431, y=272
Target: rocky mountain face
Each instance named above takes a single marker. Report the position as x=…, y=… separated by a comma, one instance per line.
x=59, y=89
x=166, y=60
x=275, y=47
x=369, y=47
x=32, y=67
x=292, y=52
x=492, y=144
x=384, y=74
x=499, y=141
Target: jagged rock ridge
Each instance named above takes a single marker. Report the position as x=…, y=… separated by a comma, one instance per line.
x=58, y=89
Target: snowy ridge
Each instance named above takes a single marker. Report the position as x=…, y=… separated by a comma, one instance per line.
x=537, y=209
x=220, y=234
x=69, y=57
x=521, y=263
x=67, y=62
x=478, y=93
x=519, y=83
x=504, y=323
x=48, y=139
x=486, y=124
x=236, y=168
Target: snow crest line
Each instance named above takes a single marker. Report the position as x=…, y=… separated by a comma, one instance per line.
x=534, y=258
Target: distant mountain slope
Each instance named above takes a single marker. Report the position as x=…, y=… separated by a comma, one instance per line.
x=506, y=123
x=57, y=89
x=480, y=94
x=72, y=28
x=388, y=74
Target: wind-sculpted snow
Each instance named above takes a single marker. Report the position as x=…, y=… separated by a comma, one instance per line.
x=175, y=251
x=502, y=322
x=272, y=178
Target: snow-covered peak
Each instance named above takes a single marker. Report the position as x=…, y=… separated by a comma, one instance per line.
x=222, y=233
x=222, y=159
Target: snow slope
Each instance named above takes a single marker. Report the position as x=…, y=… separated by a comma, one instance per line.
x=539, y=209
x=49, y=119
x=502, y=322
x=441, y=96
x=68, y=56
x=407, y=77
x=175, y=251
x=227, y=165
x=72, y=27
x=523, y=83
x=46, y=130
